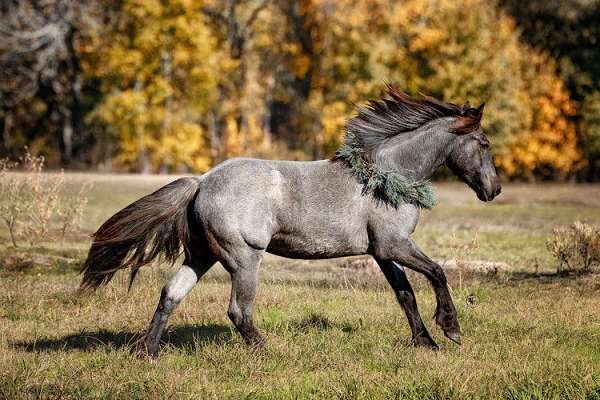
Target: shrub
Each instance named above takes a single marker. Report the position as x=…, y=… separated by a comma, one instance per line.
x=11, y=188
x=33, y=203
x=576, y=247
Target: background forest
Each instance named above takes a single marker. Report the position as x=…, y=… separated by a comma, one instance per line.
x=180, y=85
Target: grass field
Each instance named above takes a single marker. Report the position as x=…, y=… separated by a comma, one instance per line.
x=332, y=332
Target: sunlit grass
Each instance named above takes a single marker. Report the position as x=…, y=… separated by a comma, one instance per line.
x=521, y=337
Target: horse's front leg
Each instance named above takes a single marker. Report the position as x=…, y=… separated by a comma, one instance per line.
x=398, y=280
x=407, y=253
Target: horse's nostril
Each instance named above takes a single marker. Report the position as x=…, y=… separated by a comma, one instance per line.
x=498, y=190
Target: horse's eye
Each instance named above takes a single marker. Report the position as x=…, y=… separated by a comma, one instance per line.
x=485, y=145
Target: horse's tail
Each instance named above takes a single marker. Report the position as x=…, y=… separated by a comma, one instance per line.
x=136, y=235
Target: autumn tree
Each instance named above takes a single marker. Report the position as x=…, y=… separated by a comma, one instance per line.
x=569, y=32
x=155, y=61
x=236, y=120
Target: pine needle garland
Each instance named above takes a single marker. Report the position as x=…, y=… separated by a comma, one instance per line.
x=389, y=186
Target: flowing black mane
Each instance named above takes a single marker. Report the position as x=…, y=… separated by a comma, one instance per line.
x=399, y=113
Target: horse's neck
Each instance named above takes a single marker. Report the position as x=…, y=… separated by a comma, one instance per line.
x=418, y=154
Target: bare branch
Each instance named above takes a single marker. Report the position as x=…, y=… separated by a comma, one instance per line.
x=212, y=13
x=263, y=4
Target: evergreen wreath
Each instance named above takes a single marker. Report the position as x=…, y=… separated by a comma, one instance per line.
x=389, y=186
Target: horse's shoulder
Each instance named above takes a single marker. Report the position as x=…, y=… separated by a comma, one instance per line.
x=399, y=222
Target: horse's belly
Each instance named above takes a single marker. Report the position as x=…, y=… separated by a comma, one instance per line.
x=314, y=247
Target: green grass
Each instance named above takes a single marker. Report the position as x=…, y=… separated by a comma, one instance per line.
x=332, y=332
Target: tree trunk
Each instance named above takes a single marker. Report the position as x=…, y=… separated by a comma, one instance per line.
x=143, y=162
x=213, y=135
x=8, y=122
x=67, y=135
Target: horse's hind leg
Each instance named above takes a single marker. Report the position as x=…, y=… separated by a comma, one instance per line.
x=398, y=280
x=243, y=267
x=171, y=295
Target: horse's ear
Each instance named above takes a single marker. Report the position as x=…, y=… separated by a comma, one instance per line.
x=469, y=120
x=480, y=109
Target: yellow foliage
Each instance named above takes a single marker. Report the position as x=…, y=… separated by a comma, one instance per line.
x=246, y=140
x=158, y=74
x=183, y=145
x=233, y=138
x=333, y=119
x=551, y=142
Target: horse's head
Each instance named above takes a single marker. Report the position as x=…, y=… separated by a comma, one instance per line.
x=470, y=157
x=415, y=136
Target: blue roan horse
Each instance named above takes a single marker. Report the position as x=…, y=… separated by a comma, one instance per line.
x=365, y=200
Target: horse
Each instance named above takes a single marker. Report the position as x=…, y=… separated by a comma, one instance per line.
x=365, y=200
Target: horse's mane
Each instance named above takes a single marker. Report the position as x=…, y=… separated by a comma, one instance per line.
x=381, y=119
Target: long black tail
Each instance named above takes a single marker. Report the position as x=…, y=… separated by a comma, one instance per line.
x=136, y=235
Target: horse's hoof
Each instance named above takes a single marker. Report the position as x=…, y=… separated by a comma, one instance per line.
x=425, y=342
x=454, y=336
x=258, y=343
x=449, y=325
x=142, y=350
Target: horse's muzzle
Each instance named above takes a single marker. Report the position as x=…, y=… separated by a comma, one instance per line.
x=492, y=190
